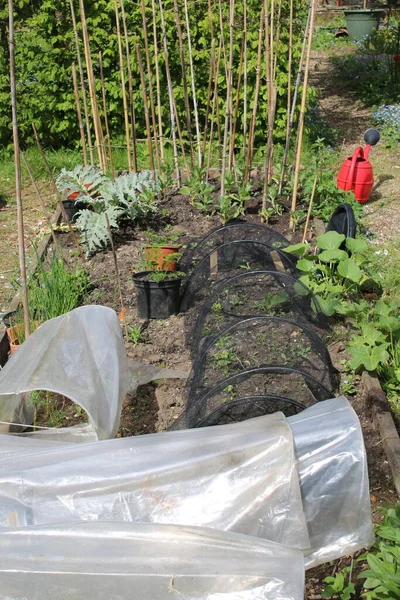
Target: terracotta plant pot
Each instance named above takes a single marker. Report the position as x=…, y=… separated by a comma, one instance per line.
x=17, y=332
x=157, y=257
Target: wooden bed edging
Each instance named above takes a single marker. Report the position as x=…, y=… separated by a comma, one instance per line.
x=382, y=416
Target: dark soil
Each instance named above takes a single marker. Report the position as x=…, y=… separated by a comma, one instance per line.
x=156, y=406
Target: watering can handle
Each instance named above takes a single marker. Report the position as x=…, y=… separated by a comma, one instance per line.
x=358, y=153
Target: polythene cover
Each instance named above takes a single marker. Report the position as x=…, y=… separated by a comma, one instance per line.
x=80, y=355
x=334, y=484
x=142, y=561
x=239, y=477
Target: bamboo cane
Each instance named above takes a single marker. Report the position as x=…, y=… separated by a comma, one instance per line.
x=148, y=66
x=178, y=127
x=302, y=113
x=194, y=97
x=221, y=32
x=170, y=94
x=215, y=96
x=209, y=89
x=82, y=80
x=158, y=86
x=92, y=90
x=184, y=80
x=310, y=208
x=45, y=211
x=235, y=119
x=146, y=107
x=294, y=102
x=58, y=195
x=103, y=93
x=18, y=197
x=122, y=73
x=210, y=18
x=79, y=114
x=228, y=107
x=290, y=58
x=130, y=88
x=118, y=278
x=244, y=76
x=249, y=157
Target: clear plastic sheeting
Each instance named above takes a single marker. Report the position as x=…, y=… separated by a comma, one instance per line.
x=334, y=484
x=145, y=562
x=80, y=355
x=239, y=477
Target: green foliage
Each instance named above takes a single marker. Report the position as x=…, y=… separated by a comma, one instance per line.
x=325, y=39
x=199, y=191
x=225, y=355
x=57, y=291
x=45, y=50
x=382, y=578
x=123, y=199
x=338, y=586
x=159, y=276
x=372, y=72
x=135, y=334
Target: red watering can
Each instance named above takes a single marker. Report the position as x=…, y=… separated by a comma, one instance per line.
x=356, y=172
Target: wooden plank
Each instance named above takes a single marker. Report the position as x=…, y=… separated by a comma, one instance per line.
x=42, y=248
x=382, y=416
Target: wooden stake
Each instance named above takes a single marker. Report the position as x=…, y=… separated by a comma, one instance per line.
x=58, y=195
x=18, y=197
x=79, y=114
x=310, y=208
x=255, y=106
x=148, y=66
x=232, y=149
x=196, y=114
x=171, y=95
x=92, y=90
x=103, y=93
x=215, y=98
x=45, y=211
x=122, y=73
x=158, y=87
x=146, y=108
x=130, y=88
x=116, y=270
x=184, y=80
x=210, y=79
x=228, y=108
x=293, y=103
x=82, y=80
x=244, y=76
x=302, y=113
x=290, y=58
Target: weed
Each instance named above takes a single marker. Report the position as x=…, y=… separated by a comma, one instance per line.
x=135, y=334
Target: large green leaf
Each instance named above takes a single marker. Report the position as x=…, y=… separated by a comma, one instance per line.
x=367, y=357
x=347, y=268
x=305, y=265
x=331, y=240
x=356, y=245
x=328, y=305
x=297, y=249
x=332, y=256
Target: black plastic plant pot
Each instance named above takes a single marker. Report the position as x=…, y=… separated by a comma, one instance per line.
x=72, y=207
x=157, y=299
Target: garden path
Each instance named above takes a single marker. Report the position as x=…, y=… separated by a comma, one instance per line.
x=350, y=118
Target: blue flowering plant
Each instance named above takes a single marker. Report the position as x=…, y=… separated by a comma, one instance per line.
x=387, y=119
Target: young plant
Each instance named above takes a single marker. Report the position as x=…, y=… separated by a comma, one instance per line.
x=135, y=334
x=199, y=191
x=159, y=276
x=339, y=586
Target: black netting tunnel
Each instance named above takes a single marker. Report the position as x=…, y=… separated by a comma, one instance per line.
x=238, y=230
x=261, y=341
x=252, y=393
x=229, y=260
x=247, y=295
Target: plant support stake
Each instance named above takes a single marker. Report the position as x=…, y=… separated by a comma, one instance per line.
x=79, y=114
x=302, y=113
x=20, y=218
